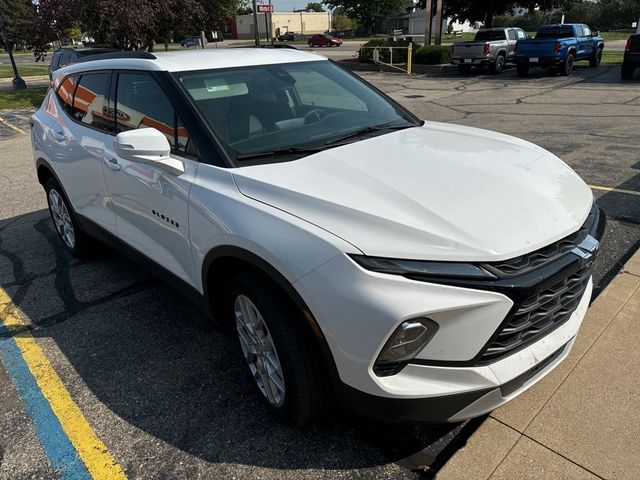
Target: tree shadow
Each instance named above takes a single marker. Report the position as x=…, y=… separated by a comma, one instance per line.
x=154, y=360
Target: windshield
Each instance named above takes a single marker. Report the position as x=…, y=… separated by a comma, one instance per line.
x=556, y=32
x=490, y=35
x=295, y=107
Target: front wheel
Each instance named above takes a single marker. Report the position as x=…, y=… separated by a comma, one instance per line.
x=567, y=65
x=278, y=350
x=522, y=69
x=595, y=60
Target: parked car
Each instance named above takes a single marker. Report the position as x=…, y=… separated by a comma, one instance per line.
x=631, y=56
x=324, y=40
x=559, y=46
x=193, y=41
x=287, y=37
x=65, y=55
x=493, y=47
x=415, y=270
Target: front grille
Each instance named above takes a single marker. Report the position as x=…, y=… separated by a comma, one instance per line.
x=533, y=260
x=538, y=315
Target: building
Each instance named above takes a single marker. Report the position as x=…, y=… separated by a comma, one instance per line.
x=304, y=23
x=413, y=24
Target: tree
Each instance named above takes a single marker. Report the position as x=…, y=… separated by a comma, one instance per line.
x=369, y=14
x=314, y=7
x=485, y=11
x=343, y=23
x=19, y=19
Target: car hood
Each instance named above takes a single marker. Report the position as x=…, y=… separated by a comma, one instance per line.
x=437, y=192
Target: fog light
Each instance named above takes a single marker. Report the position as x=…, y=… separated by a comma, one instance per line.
x=403, y=345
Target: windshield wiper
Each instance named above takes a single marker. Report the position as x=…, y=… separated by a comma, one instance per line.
x=279, y=152
x=372, y=129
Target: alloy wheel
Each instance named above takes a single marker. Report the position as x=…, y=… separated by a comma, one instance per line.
x=259, y=350
x=62, y=219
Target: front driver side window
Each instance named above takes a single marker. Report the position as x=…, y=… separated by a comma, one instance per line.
x=141, y=103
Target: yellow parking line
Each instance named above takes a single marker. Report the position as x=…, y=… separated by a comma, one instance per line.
x=616, y=190
x=12, y=127
x=93, y=453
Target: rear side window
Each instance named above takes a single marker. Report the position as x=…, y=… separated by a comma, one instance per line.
x=90, y=102
x=490, y=35
x=521, y=34
x=512, y=35
x=65, y=93
x=556, y=31
x=141, y=103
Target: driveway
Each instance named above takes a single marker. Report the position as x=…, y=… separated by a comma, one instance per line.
x=167, y=393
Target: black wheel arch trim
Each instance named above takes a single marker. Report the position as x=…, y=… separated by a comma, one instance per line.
x=244, y=255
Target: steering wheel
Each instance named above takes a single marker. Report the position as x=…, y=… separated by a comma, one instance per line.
x=315, y=115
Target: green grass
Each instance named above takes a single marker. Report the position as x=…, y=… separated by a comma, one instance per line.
x=609, y=36
x=612, y=57
x=30, y=97
x=24, y=69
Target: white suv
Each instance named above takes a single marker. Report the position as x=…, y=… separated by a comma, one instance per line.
x=414, y=270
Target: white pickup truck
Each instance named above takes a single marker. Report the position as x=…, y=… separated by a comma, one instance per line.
x=492, y=46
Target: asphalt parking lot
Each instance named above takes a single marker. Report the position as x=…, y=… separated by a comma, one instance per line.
x=167, y=393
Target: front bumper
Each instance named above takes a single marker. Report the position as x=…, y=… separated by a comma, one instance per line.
x=452, y=378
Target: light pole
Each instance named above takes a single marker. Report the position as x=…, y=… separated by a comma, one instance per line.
x=256, y=33
x=18, y=83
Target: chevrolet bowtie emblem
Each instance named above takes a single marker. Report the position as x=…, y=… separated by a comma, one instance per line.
x=586, y=248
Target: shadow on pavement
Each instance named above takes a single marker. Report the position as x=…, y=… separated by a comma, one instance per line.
x=155, y=361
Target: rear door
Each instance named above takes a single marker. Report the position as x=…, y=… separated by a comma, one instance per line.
x=78, y=126
x=151, y=204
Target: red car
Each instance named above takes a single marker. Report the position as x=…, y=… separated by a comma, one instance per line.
x=324, y=40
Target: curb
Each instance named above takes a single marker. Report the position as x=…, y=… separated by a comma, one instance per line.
x=490, y=445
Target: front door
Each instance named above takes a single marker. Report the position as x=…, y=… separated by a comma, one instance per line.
x=151, y=204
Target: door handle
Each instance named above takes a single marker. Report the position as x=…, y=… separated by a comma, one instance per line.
x=59, y=136
x=112, y=163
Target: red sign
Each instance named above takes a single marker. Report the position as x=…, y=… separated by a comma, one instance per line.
x=265, y=8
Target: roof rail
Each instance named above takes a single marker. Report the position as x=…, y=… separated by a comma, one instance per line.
x=120, y=54
x=291, y=47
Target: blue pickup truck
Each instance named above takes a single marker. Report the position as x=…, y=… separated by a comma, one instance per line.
x=559, y=46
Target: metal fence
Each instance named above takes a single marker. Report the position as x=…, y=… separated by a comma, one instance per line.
x=385, y=56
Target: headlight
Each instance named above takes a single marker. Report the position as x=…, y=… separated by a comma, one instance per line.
x=404, y=344
x=419, y=268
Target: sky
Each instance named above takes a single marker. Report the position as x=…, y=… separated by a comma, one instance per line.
x=287, y=5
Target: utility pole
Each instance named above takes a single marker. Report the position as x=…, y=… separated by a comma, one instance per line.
x=428, y=15
x=18, y=83
x=270, y=29
x=438, y=22
x=256, y=33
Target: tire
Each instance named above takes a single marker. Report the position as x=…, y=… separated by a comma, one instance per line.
x=567, y=66
x=497, y=67
x=464, y=69
x=310, y=45
x=65, y=222
x=522, y=69
x=594, y=61
x=627, y=71
x=304, y=391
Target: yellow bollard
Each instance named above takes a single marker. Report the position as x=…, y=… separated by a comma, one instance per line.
x=409, y=58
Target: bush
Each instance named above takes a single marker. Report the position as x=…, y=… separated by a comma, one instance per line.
x=432, y=55
x=365, y=55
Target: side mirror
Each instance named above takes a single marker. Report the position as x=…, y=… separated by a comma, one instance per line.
x=149, y=146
